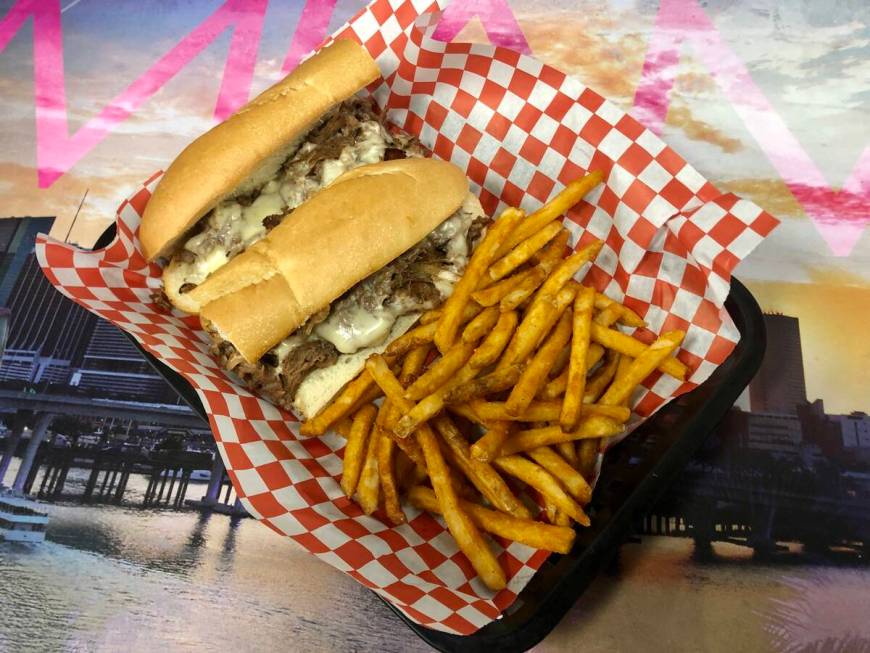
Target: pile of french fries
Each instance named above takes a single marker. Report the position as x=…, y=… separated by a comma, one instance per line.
x=495, y=404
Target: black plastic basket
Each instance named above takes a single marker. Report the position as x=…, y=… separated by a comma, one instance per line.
x=635, y=474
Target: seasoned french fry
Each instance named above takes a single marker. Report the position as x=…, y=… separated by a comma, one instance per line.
x=342, y=427
x=492, y=295
x=484, y=385
x=569, y=452
x=543, y=411
x=594, y=426
x=523, y=290
x=561, y=363
x=559, y=205
x=488, y=447
x=626, y=316
x=523, y=251
x=415, y=337
x=621, y=372
x=618, y=341
x=562, y=519
x=440, y=371
x=587, y=452
x=355, y=450
x=642, y=367
x=467, y=537
x=596, y=386
x=368, y=488
x=432, y=404
x=566, y=270
x=465, y=410
x=577, y=369
x=340, y=406
x=536, y=324
x=572, y=479
x=556, y=387
x=451, y=313
x=481, y=325
x=492, y=347
x=386, y=472
x=535, y=374
x=481, y=474
x=468, y=313
x=609, y=315
x=544, y=482
x=546, y=537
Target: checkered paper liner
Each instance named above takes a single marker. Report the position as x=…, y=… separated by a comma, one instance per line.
x=521, y=131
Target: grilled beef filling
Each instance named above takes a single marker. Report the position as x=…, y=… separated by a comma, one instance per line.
x=364, y=316
x=349, y=136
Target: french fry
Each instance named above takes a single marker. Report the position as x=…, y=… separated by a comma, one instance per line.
x=587, y=452
x=463, y=530
x=543, y=411
x=609, y=316
x=618, y=341
x=440, y=371
x=596, y=386
x=340, y=406
x=643, y=365
x=524, y=251
x=566, y=269
x=465, y=410
x=594, y=426
x=355, y=449
x=386, y=472
x=541, y=480
x=621, y=371
x=468, y=313
x=561, y=363
x=626, y=316
x=492, y=295
x=546, y=537
x=569, y=452
x=419, y=335
x=342, y=427
x=572, y=479
x=493, y=345
x=523, y=290
x=481, y=325
x=484, y=355
x=488, y=447
x=559, y=205
x=451, y=313
x=577, y=369
x=484, y=385
x=481, y=474
x=535, y=374
x=556, y=387
x=538, y=321
x=368, y=488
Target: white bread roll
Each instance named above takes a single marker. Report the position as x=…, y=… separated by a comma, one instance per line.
x=246, y=150
x=363, y=221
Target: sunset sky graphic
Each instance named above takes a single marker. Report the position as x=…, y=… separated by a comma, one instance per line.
x=602, y=44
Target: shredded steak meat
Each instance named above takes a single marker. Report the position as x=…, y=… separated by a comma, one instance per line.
x=161, y=300
x=304, y=359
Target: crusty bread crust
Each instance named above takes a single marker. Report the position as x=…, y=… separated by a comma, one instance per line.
x=356, y=226
x=248, y=148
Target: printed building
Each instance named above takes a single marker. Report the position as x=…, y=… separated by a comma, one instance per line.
x=780, y=385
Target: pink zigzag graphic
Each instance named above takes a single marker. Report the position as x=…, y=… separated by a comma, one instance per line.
x=56, y=150
x=840, y=216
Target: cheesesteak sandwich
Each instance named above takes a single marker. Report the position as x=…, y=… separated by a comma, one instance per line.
x=237, y=181
x=299, y=311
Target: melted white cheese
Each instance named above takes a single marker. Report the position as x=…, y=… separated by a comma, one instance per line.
x=357, y=329
x=243, y=226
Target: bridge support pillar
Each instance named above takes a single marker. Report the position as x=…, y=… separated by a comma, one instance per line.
x=12, y=441
x=214, y=483
x=39, y=431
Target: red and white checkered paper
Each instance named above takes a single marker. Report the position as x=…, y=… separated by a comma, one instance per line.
x=521, y=131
